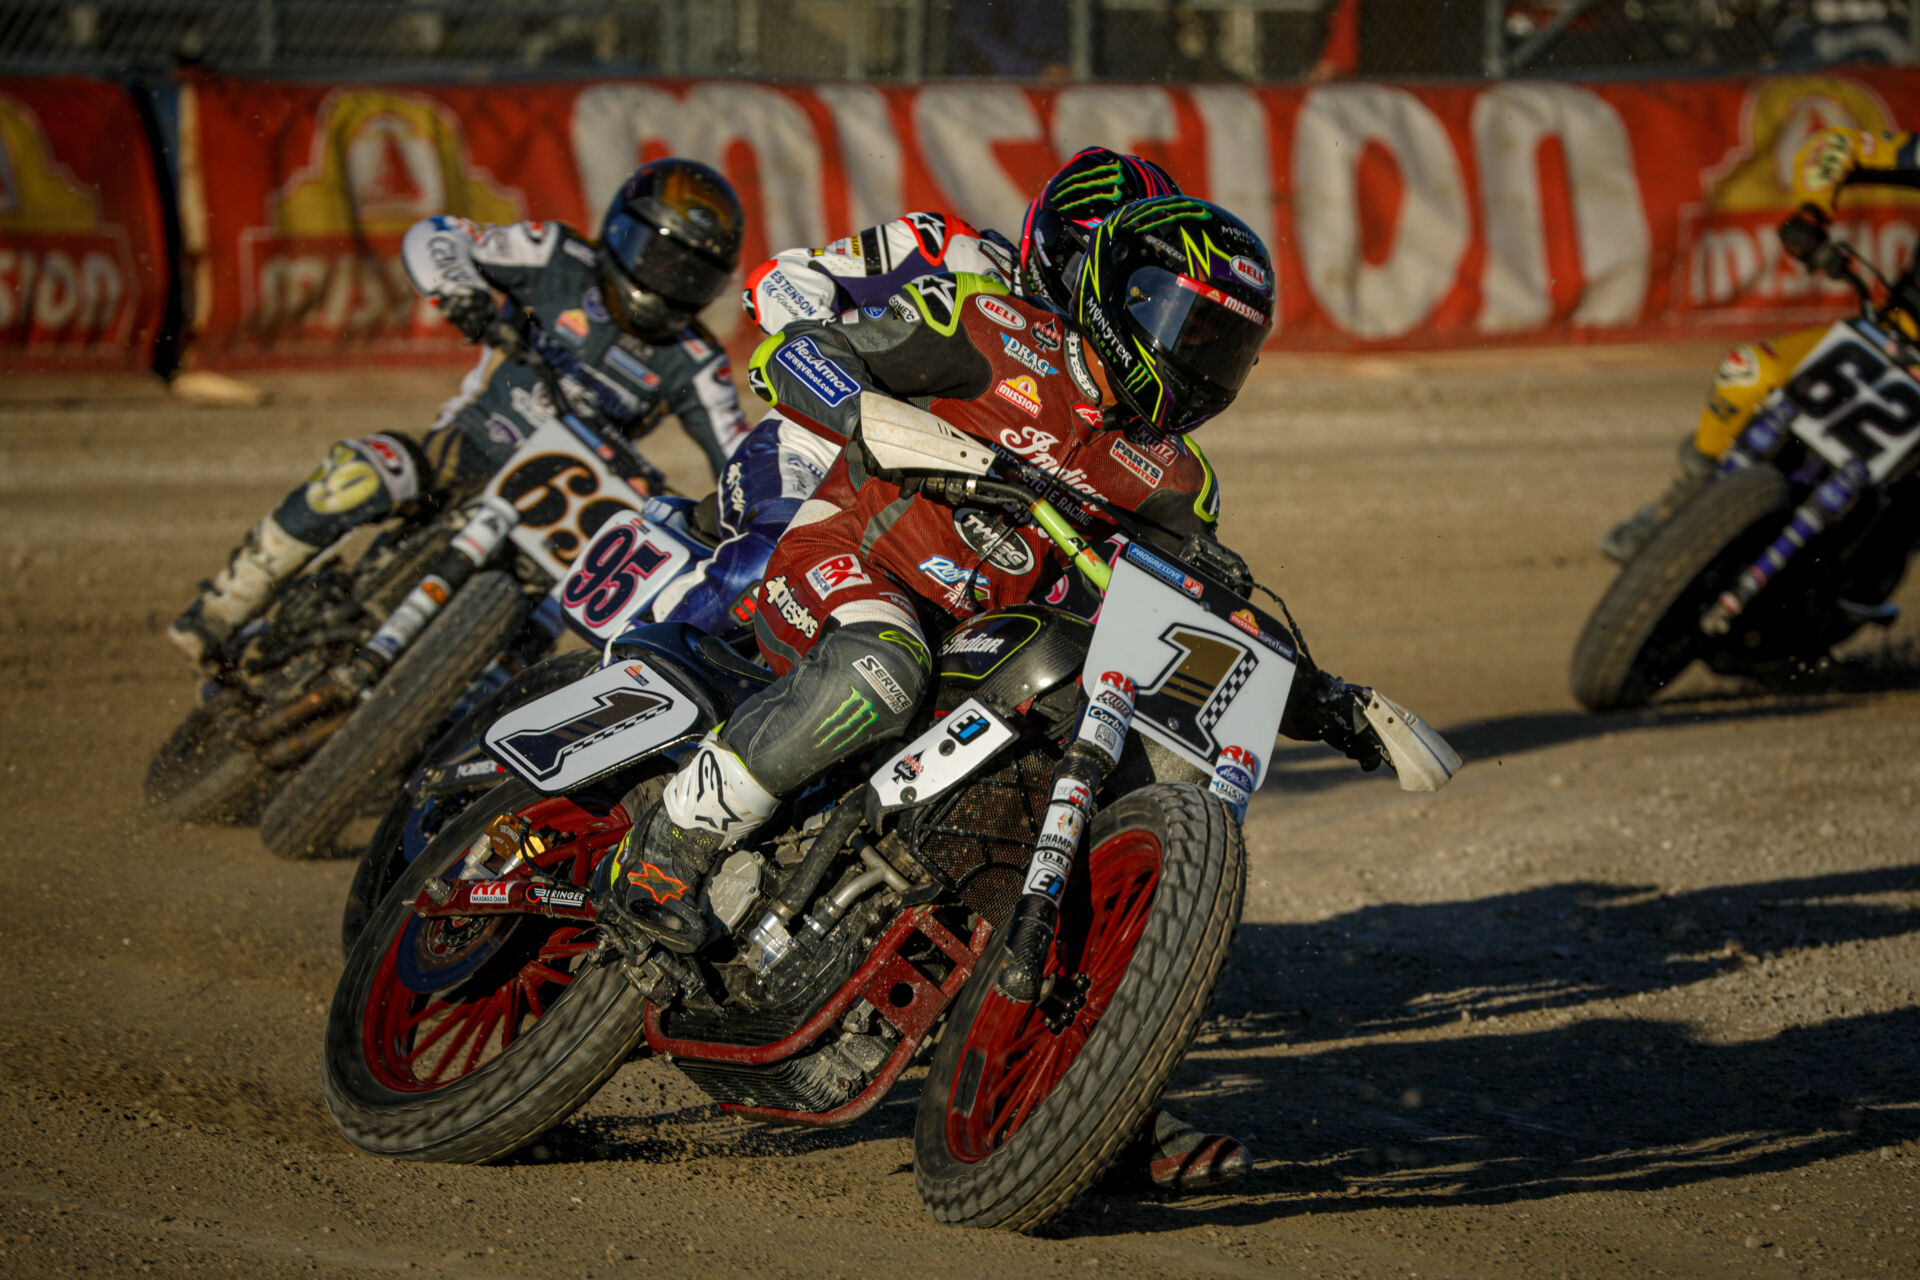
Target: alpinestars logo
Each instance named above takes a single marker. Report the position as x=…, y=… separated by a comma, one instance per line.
x=792, y=612
x=663, y=887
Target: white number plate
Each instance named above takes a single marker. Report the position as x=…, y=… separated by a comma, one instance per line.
x=1854, y=402
x=628, y=563
x=563, y=492
x=597, y=723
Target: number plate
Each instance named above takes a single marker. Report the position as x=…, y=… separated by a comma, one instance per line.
x=564, y=494
x=628, y=563
x=1211, y=671
x=1854, y=402
x=598, y=723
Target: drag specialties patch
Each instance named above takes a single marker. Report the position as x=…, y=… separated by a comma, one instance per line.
x=1025, y=355
x=1023, y=393
x=825, y=379
x=1138, y=463
x=989, y=535
x=780, y=595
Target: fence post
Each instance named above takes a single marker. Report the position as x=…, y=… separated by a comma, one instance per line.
x=1493, y=26
x=266, y=31
x=1080, y=16
x=913, y=62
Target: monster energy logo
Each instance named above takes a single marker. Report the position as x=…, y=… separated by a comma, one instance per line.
x=1174, y=213
x=847, y=721
x=1104, y=183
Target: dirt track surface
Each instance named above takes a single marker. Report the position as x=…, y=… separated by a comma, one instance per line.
x=1635, y=996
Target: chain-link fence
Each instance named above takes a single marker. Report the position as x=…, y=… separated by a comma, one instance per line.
x=1154, y=40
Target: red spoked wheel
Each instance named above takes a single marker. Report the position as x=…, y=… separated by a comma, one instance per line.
x=1016, y=1053
x=454, y=992
x=1026, y=1105
x=465, y=1038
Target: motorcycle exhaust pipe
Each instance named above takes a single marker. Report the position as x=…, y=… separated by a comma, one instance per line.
x=330, y=695
x=296, y=747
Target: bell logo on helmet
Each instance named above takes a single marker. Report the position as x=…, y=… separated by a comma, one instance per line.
x=1251, y=272
x=999, y=312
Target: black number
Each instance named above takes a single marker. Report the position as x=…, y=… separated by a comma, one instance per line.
x=539, y=488
x=1828, y=383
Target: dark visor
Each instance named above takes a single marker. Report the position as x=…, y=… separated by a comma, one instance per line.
x=1209, y=334
x=660, y=264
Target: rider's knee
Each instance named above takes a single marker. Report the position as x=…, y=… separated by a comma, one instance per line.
x=358, y=481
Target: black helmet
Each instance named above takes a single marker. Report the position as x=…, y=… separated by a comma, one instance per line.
x=1177, y=297
x=1059, y=222
x=668, y=245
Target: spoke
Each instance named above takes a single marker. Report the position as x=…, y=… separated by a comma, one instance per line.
x=427, y=1010
x=558, y=977
x=485, y=1033
x=456, y=1016
x=1039, y=1082
x=510, y=1025
x=454, y=1045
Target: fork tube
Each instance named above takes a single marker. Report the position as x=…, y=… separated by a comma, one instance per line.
x=1097, y=743
x=1829, y=503
x=472, y=547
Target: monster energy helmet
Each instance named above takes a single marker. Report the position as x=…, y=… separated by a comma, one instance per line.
x=1176, y=295
x=668, y=245
x=1061, y=219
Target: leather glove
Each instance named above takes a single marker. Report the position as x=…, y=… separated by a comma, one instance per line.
x=468, y=310
x=1804, y=238
x=1329, y=710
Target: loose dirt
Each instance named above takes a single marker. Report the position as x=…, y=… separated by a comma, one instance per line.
x=1637, y=995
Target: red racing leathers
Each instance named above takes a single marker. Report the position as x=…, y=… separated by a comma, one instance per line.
x=1003, y=369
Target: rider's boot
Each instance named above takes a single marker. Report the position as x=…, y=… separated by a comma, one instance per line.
x=1179, y=1157
x=268, y=557
x=653, y=880
x=1624, y=541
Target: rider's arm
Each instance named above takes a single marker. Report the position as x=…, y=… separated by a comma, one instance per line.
x=458, y=265
x=705, y=400
x=1841, y=157
x=814, y=372
x=862, y=269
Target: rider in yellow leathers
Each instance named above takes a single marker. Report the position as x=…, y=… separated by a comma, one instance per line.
x=1827, y=162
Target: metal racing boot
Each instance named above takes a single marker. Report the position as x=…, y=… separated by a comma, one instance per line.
x=1173, y=1156
x=269, y=556
x=652, y=881
x=1624, y=541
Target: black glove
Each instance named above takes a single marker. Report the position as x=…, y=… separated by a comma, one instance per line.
x=1219, y=560
x=1328, y=709
x=468, y=310
x=1804, y=238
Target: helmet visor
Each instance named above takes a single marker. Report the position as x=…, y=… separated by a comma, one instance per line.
x=1211, y=335
x=660, y=264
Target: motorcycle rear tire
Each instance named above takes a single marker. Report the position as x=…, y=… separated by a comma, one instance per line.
x=380, y=741
x=385, y=856
x=1644, y=631
x=198, y=776
x=1072, y=1134
x=548, y=1073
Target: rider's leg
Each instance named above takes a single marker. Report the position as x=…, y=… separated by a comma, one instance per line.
x=850, y=684
x=360, y=480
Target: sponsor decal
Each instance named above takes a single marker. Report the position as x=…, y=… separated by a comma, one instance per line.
x=825, y=379
x=1156, y=446
x=1740, y=367
x=835, y=574
x=1077, y=368
x=1035, y=445
x=557, y=895
x=736, y=491
x=1027, y=356
x=1243, y=759
x=494, y=893
x=778, y=289
x=574, y=249
x=663, y=887
x=1058, y=591
x=1137, y=462
x=908, y=767
x=966, y=726
x=1161, y=569
x=572, y=325
x=505, y=430
x=595, y=306
x=1227, y=300
x=978, y=643
x=873, y=313
x=999, y=312
x=1046, y=334
x=944, y=571
x=638, y=372
x=989, y=536
x=844, y=727
x=1244, y=619
x=1021, y=392
x=792, y=612
x=1251, y=272
x=900, y=309
x=1112, y=349
x=434, y=589
x=1091, y=416
x=871, y=670
x=478, y=769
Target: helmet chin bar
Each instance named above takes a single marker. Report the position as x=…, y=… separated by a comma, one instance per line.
x=643, y=314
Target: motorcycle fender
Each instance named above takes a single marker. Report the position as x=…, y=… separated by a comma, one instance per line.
x=1419, y=755
x=945, y=755
x=606, y=719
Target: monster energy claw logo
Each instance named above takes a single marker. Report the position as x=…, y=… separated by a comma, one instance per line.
x=847, y=722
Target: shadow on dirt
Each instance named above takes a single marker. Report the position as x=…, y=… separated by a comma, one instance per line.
x=1487, y=1116
x=1310, y=768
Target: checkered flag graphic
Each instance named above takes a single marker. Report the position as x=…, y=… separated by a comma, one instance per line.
x=1229, y=690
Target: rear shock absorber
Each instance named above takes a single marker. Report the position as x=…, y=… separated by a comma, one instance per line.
x=1094, y=752
x=1833, y=499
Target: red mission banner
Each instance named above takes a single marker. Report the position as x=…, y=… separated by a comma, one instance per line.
x=83, y=261
x=1520, y=211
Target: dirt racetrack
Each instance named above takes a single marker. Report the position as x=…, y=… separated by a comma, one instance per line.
x=1636, y=996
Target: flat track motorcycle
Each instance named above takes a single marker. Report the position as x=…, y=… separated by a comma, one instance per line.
x=1049, y=872
x=1800, y=537
x=323, y=702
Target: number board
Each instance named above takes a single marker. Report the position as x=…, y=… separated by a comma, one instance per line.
x=1210, y=670
x=626, y=566
x=564, y=494
x=1855, y=402
x=598, y=723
